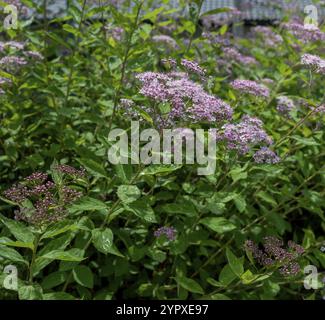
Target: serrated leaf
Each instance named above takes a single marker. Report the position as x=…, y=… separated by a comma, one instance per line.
x=62, y=255
x=306, y=141
x=87, y=204
x=30, y=292
x=142, y=209
x=59, y=228
x=266, y=197
x=128, y=193
x=238, y=174
x=240, y=203
x=11, y=255
x=102, y=240
x=93, y=167
x=18, y=230
x=124, y=172
x=71, y=29
x=18, y=244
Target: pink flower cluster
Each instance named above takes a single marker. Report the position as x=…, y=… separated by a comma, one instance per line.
x=166, y=40
x=234, y=54
x=314, y=62
x=187, y=99
x=251, y=87
x=266, y=155
x=284, y=105
x=245, y=134
x=222, y=40
x=16, y=56
x=169, y=232
x=192, y=66
x=270, y=38
x=46, y=201
x=273, y=254
x=305, y=32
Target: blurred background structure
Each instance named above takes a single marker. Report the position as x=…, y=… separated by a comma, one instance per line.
x=252, y=9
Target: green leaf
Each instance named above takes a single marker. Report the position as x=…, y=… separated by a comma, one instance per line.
x=160, y=169
x=128, y=194
x=248, y=277
x=59, y=243
x=219, y=296
x=235, y=263
x=93, y=167
x=18, y=230
x=223, y=29
x=309, y=238
x=277, y=221
x=11, y=255
x=226, y=275
x=218, y=224
x=71, y=29
x=238, y=174
x=18, y=244
x=102, y=240
x=240, y=203
x=152, y=15
x=30, y=292
x=214, y=282
x=184, y=207
x=69, y=265
x=189, y=284
x=53, y=280
x=87, y=204
x=124, y=172
x=157, y=255
x=62, y=255
x=267, y=198
x=58, y=296
x=59, y=228
x=142, y=209
x=113, y=250
x=232, y=95
x=306, y=141
x=83, y=276
x=58, y=39
x=56, y=175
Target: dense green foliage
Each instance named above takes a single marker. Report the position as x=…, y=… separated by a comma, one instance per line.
x=60, y=110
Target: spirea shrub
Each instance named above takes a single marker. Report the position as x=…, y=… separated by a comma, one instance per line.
x=77, y=226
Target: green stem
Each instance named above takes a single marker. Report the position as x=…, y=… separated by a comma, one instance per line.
x=102, y=226
x=74, y=50
x=196, y=21
x=32, y=263
x=124, y=64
